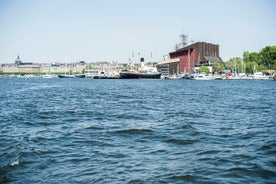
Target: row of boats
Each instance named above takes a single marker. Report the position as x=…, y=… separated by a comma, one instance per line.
x=155, y=75
x=255, y=76
x=131, y=74
x=126, y=74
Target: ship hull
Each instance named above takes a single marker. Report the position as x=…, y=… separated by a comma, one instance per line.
x=80, y=76
x=150, y=75
x=72, y=76
x=130, y=75
x=66, y=76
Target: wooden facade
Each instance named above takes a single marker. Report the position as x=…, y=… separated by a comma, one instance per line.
x=199, y=53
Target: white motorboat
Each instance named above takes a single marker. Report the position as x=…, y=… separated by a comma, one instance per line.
x=204, y=77
x=260, y=76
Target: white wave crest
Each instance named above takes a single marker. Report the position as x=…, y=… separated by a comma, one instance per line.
x=14, y=163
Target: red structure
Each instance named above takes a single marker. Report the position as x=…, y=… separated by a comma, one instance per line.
x=185, y=59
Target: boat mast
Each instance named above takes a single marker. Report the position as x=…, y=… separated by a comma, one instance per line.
x=177, y=70
x=198, y=60
x=184, y=43
x=242, y=67
x=235, y=66
x=189, y=60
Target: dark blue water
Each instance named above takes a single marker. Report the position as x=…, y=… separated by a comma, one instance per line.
x=137, y=131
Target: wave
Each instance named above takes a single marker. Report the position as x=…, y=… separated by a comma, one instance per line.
x=94, y=128
x=268, y=146
x=181, y=141
x=135, y=181
x=186, y=178
x=255, y=170
x=134, y=131
x=238, y=169
x=209, y=152
x=14, y=163
x=187, y=126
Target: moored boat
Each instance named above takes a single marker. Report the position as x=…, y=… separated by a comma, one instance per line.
x=48, y=76
x=129, y=74
x=139, y=75
x=66, y=76
x=144, y=72
x=204, y=77
x=72, y=76
x=80, y=75
x=260, y=76
x=150, y=75
x=180, y=76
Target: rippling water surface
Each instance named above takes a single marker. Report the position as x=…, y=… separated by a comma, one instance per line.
x=137, y=131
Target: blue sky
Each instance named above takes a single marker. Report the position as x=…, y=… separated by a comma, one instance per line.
x=106, y=30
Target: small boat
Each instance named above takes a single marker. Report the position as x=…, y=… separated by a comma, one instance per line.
x=72, y=76
x=66, y=76
x=48, y=76
x=260, y=76
x=204, y=77
x=106, y=77
x=180, y=76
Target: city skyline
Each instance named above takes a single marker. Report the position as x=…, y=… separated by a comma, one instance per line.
x=72, y=31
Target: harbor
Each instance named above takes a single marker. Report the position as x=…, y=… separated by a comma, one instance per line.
x=137, y=92
x=197, y=61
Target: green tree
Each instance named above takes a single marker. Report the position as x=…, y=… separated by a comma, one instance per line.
x=255, y=57
x=261, y=68
x=235, y=65
x=204, y=69
x=268, y=57
x=228, y=65
x=251, y=66
x=246, y=56
x=218, y=67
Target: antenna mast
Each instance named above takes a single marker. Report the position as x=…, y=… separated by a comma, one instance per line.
x=184, y=40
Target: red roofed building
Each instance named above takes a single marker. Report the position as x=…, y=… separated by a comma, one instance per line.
x=184, y=60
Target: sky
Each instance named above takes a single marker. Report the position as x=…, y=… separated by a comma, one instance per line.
x=107, y=30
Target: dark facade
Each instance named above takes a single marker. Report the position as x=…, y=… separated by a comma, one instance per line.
x=197, y=54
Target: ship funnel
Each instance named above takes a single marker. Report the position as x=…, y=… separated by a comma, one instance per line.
x=142, y=63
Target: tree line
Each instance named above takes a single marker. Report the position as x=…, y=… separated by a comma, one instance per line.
x=250, y=62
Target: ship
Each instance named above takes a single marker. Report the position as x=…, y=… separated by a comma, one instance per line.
x=130, y=74
x=144, y=72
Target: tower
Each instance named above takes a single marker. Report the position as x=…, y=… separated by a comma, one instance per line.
x=18, y=60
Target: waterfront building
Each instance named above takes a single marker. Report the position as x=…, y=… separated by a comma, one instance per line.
x=189, y=58
x=29, y=67
x=26, y=67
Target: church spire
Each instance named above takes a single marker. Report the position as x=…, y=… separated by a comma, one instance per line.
x=18, y=60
